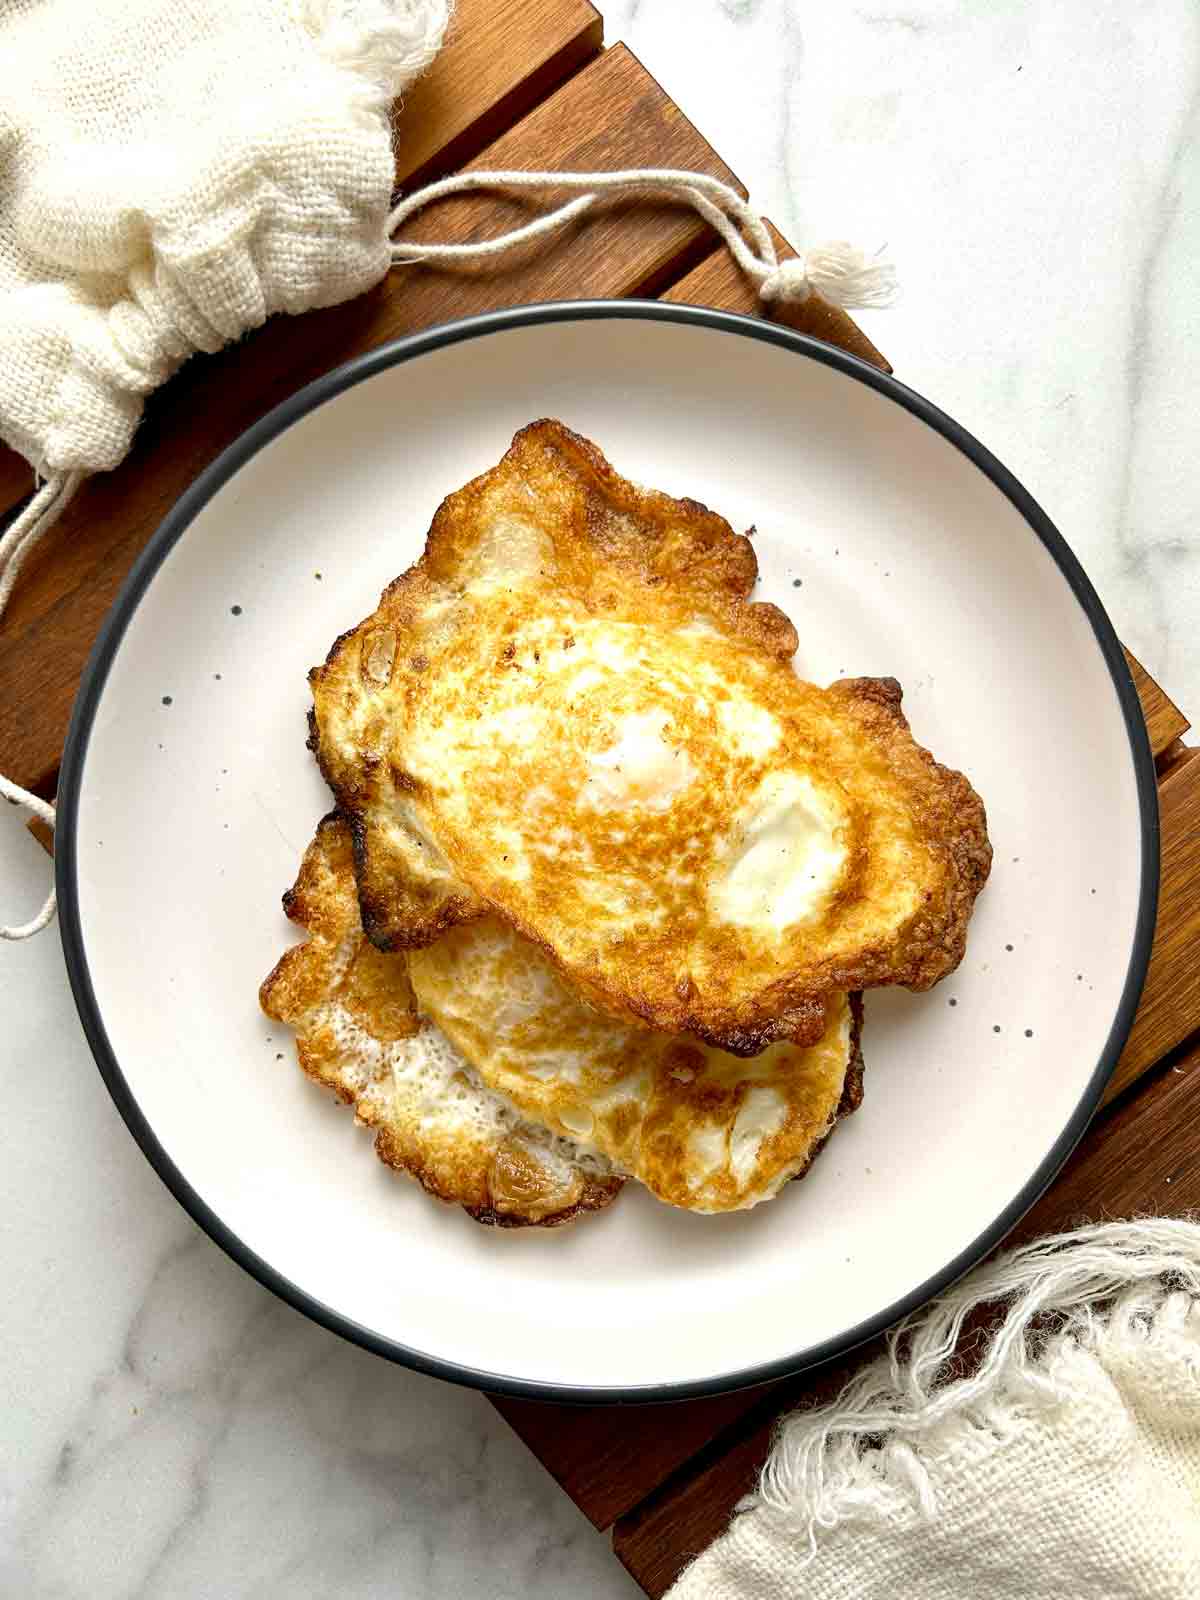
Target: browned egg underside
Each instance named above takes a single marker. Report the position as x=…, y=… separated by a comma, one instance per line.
x=499, y=1089
x=358, y=1033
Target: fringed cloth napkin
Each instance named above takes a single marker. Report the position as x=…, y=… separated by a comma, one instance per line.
x=1066, y=1467
x=172, y=172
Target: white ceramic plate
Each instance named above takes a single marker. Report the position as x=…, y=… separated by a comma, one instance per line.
x=899, y=547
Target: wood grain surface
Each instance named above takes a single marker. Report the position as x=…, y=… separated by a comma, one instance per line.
x=1138, y=1158
x=719, y=281
x=611, y=114
x=500, y=59
x=1170, y=1008
x=608, y=1458
x=16, y=481
x=1165, y=723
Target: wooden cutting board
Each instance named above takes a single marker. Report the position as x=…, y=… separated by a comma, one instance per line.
x=527, y=83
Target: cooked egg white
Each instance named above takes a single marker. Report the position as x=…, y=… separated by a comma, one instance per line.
x=700, y=1128
x=785, y=857
x=359, y=1033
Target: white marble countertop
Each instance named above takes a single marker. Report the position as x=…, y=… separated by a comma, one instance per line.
x=1034, y=169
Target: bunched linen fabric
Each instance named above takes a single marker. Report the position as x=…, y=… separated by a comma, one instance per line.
x=172, y=172
x=1066, y=1467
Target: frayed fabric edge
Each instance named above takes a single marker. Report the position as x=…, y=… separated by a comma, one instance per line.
x=386, y=44
x=1100, y=1290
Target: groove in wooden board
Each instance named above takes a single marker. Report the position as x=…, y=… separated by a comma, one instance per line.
x=608, y=1457
x=500, y=59
x=74, y=575
x=1140, y=1158
x=16, y=480
x=1173, y=756
x=719, y=281
x=1170, y=1006
x=1164, y=721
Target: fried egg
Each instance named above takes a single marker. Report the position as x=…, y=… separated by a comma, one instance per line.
x=570, y=717
x=496, y=1087
x=698, y=1127
x=358, y=1033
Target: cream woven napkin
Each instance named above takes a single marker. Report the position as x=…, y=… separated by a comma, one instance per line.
x=171, y=173
x=1066, y=1468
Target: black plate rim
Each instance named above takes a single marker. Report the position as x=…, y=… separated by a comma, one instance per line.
x=172, y=528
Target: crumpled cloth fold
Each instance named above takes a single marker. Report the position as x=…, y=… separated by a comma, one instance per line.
x=1065, y=1467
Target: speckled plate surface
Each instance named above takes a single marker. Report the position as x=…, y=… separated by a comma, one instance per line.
x=898, y=546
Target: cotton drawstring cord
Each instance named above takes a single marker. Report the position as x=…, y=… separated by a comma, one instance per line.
x=18, y=543
x=839, y=272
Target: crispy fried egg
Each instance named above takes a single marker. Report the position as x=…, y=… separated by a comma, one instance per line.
x=499, y=1089
x=358, y=1033
x=568, y=715
x=699, y=1127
